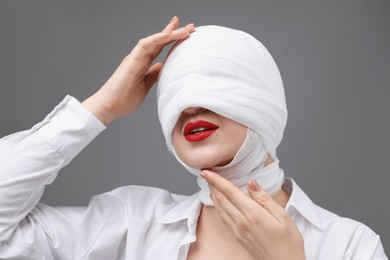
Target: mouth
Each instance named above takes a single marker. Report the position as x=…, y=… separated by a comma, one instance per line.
x=199, y=130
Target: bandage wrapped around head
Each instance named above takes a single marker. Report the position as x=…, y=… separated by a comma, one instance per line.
x=231, y=73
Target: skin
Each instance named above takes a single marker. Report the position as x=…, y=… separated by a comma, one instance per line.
x=239, y=217
x=128, y=86
x=239, y=226
x=218, y=149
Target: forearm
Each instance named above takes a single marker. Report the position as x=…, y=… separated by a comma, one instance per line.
x=30, y=160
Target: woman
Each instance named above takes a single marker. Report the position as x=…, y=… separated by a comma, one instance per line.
x=227, y=137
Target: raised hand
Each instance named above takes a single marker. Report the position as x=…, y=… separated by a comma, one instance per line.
x=259, y=224
x=127, y=88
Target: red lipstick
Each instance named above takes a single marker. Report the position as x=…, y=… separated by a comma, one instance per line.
x=199, y=130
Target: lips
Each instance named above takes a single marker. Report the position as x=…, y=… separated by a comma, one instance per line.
x=199, y=130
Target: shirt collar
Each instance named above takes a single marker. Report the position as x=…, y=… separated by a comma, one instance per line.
x=301, y=203
x=189, y=208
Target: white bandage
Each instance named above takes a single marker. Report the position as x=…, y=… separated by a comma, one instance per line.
x=232, y=74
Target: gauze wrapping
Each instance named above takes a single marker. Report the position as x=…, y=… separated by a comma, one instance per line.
x=232, y=74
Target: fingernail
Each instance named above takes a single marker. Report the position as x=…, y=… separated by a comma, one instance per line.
x=203, y=174
x=254, y=186
x=174, y=18
x=190, y=25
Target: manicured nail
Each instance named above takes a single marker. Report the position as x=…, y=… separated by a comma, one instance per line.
x=174, y=18
x=203, y=174
x=254, y=186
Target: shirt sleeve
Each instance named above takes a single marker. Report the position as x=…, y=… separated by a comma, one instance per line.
x=372, y=250
x=31, y=159
x=364, y=243
x=379, y=253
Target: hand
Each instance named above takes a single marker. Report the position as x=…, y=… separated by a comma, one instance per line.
x=128, y=86
x=260, y=225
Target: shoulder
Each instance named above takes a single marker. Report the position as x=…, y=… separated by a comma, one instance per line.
x=321, y=218
x=357, y=240
x=352, y=229
x=325, y=231
x=141, y=199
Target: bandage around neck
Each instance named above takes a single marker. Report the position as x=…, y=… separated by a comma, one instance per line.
x=232, y=74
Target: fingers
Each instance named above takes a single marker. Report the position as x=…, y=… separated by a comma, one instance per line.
x=167, y=36
x=238, y=210
x=230, y=200
x=248, y=207
x=151, y=46
x=264, y=199
x=231, y=192
x=252, y=220
x=173, y=24
x=229, y=213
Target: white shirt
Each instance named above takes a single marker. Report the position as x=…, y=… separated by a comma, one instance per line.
x=130, y=222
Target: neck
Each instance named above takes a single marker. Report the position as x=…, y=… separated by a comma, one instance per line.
x=210, y=219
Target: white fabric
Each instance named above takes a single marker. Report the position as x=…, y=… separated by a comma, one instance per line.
x=130, y=222
x=246, y=165
x=232, y=74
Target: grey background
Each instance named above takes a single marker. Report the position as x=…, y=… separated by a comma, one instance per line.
x=333, y=56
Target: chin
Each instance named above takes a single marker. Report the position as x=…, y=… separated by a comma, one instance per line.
x=201, y=164
x=206, y=162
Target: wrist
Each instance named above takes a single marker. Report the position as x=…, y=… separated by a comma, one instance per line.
x=93, y=105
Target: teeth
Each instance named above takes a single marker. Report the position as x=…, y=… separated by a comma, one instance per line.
x=196, y=130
